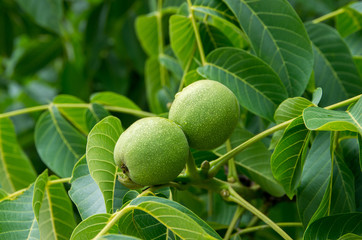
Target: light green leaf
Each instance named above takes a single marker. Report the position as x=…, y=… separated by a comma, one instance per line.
x=17, y=219
x=16, y=170
x=288, y=157
x=334, y=69
x=58, y=143
x=350, y=236
x=182, y=38
x=101, y=142
x=212, y=8
x=46, y=13
x=147, y=33
x=56, y=220
x=37, y=56
x=254, y=161
x=113, y=99
x=277, y=36
x=3, y=194
x=350, y=20
x=84, y=191
x=315, y=177
x=330, y=120
x=291, y=108
x=192, y=76
x=90, y=227
x=254, y=83
x=39, y=191
x=333, y=227
x=74, y=115
x=154, y=85
x=178, y=219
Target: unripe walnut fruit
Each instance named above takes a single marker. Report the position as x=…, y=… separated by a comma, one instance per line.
x=151, y=151
x=207, y=112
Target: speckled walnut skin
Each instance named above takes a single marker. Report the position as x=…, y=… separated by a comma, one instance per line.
x=152, y=151
x=207, y=112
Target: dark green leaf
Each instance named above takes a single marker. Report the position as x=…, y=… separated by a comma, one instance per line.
x=58, y=143
x=248, y=77
x=46, y=13
x=277, y=36
x=94, y=114
x=16, y=170
x=254, y=162
x=153, y=80
x=37, y=56
x=334, y=69
x=333, y=227
x=315, y=177
x=350, y=236
x=288, y=157
x=113, y=99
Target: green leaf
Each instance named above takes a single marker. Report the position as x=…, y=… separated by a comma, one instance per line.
x=291, y=108
x=350, y=236
x=74, y=115
x=288, y=157
x=191, y=77
x=46, y=13
x=254, y=161
x=7, y=32
x=153, y=85
x=212, y=38
x=172, y=65
x=90, y=227
x=85, y=192
x=101, y=142
x=39, y=191
x=182, y=38
x=119, y=237
x=56, y=220
x=212, y=8
x=360, y=150
x=37, y=56
x=277, y=36
x=58, y=143
x=17, y=219
x=16, y=170
x=113, y=99
x=231, y=31
x=248, y=77
x=178, y=219
x=350, y=20
x=3, y=194
x=94, y=114
x=354, y=44
x=334, y=69
x=331, y=120
x=315, y=177
x=333, y=227
x=147, y=33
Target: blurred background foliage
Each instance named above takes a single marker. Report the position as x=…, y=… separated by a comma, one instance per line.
x=87, y=46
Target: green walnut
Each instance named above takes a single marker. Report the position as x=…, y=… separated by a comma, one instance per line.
x=207, y=112
x=151, y=151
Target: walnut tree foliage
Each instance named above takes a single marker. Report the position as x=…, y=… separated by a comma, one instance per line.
x=75, y=74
